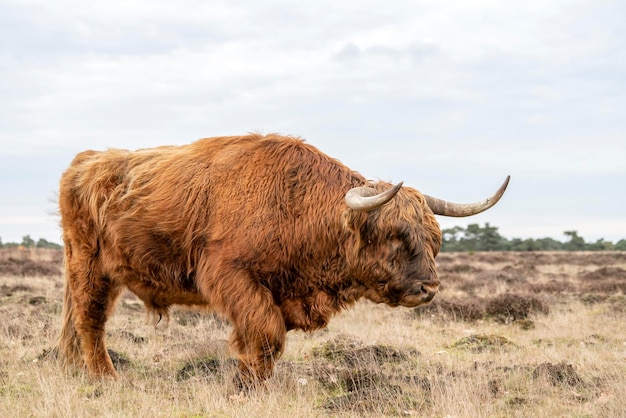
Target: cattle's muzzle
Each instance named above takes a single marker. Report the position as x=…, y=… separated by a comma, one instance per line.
x=429, y=290
x=422, y=293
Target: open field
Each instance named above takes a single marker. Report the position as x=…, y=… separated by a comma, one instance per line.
x=510, y=334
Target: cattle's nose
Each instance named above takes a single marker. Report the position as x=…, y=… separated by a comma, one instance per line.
x=429, y=289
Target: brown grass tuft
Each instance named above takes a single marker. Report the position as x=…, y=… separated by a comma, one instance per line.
x=344, y=349
x=556, y=374
x=483, y=342
x=453, y=309
x=514, y=307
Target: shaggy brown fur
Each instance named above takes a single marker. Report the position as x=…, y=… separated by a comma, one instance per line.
x=254, y=227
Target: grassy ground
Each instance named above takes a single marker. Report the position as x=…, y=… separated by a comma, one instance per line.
x=510, y=334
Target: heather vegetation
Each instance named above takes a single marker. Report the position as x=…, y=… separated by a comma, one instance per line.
x=511, y=334
x=487, y=238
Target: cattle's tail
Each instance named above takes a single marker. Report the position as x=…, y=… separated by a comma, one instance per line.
x=68, y=345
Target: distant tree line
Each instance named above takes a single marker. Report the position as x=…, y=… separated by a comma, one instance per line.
x=487, y=238
x=28, y=242
x=472, y=238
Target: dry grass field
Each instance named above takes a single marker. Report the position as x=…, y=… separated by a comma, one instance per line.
x=510, y=334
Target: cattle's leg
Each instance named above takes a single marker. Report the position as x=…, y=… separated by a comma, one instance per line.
x=259, y=328
x=92, y=298
x=68, y=345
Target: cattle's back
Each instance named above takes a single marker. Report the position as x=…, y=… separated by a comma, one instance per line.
x=254, y=194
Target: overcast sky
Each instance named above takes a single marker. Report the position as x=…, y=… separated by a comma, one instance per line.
x=448, y=96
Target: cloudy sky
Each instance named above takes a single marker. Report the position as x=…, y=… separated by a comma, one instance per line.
x=448, y=96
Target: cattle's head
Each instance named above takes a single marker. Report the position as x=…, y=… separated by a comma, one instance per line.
x=397, y=238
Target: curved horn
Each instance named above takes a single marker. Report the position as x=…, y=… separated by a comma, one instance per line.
x=366, y=198
x=442, y=207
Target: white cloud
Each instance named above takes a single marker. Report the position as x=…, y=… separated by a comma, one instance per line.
x=422, y=91
x=24, y=220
